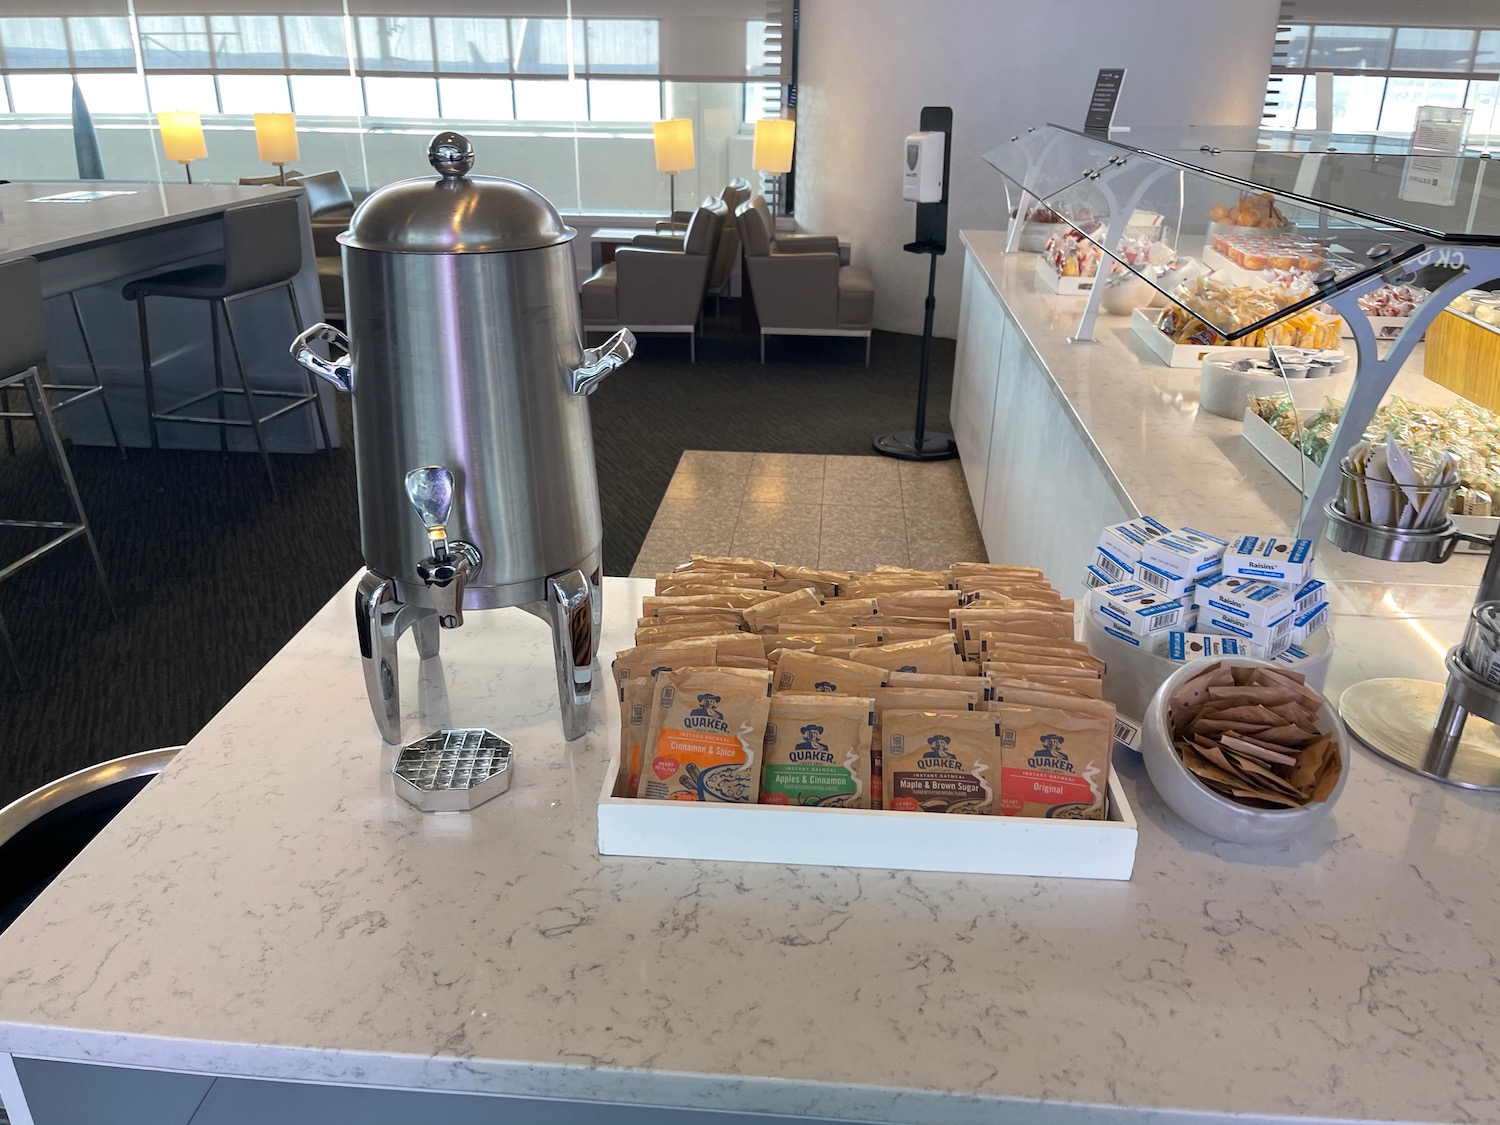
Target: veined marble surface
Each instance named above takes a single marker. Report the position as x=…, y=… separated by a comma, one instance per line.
x=268, y=907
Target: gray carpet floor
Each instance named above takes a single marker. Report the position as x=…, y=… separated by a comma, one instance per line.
x=211, y=577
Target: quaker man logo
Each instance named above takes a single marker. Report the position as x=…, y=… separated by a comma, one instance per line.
x=824, y=685
x=812, y=748
x=938, y=756
x=706, y=716
x=1050, y=756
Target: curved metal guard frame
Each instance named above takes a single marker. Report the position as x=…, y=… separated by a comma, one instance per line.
x=1374, y=373
x=1119, y=219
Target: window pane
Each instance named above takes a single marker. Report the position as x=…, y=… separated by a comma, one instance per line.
x=622, y=47
x=759, y=99
x=401, y=97
x=1432, y=48
x=395, y=43
x=1356, y=103
x=251, y=42
x=327, y=95
x=1282, y=99
x=174, y=43
x=182, y=91
x=541, y=46
x=1307, y=108
x=476, y=99
x=113, y=93
x=1404, y=95
x=34, y=43
x=478, y=46
x=623, y=100
x=551, y=101
x=1482, y=100
x=1487, y=56
x=1295, y=47
x=101, y=41
x=1349, y=48
x=254, y=93
x=315, y=43
x=42, y=93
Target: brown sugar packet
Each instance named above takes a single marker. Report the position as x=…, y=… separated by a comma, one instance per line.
x=760, y=616
x=708, y=726
x=1004, y=685
x=997, y=647
x=696, y=585
x=940, y=761
x=720, y=562
x=1056, y=758
x=800, y=671
x=889, y=634
x=817, y=751
x=928, y=604
x=970, y=623
x=646, y=634
x=936, y=655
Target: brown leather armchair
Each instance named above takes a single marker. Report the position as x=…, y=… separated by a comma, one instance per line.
x=798, y=285
x=728, y=256
x=656, y=283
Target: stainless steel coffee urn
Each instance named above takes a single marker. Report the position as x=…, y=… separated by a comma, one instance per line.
x=475, y=459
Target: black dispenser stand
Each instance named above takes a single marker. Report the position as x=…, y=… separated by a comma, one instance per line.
x=932, y=239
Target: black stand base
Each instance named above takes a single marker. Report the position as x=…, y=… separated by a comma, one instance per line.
x=934, y=446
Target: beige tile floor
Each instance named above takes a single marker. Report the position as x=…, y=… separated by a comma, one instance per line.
x=840, y=513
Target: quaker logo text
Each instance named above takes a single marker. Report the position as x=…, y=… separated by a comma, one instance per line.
x=812, y=748
x=937, y=756
x=1050, y=756
x=706, y=716
x=824, y=685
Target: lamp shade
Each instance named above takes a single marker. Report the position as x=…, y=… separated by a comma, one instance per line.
x=182, y=135
x=276, y=137
x=773, y=145
x=674, y=144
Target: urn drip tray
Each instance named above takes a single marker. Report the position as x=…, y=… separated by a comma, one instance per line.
x=453, y=770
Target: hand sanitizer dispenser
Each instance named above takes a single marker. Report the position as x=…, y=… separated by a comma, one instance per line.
x=922, y=179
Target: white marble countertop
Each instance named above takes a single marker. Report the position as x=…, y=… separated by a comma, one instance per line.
x=268, y=907
x=29, y=229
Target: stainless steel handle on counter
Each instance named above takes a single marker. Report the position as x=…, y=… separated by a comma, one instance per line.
x=335, y=369
x=599, y=362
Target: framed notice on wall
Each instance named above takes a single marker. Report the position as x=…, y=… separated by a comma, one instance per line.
x=1431, y=171
x=1106, y=95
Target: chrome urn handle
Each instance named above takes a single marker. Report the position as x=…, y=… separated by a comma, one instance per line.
x=452, y=562
x=599, y=362
x=336, y=369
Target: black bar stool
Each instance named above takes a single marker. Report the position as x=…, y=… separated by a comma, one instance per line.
x=262, y=251
x=23, y=363
x=71, y=394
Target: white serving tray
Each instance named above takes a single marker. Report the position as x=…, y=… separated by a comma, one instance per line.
x=1065, y=286
x=1291, y=463
x=1143, y=324
x=986, y=845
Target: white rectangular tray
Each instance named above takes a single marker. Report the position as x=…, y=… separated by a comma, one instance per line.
x=1065, y=286
x=1291, y=463
x=1143, y=325
x=989, y=845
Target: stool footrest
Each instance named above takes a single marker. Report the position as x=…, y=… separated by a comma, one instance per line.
x=73, y=531
x=169, y=414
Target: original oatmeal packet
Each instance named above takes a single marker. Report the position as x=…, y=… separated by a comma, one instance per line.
x=941, y=761
x=817, y=751
x=708, y=727
x=1056, y=755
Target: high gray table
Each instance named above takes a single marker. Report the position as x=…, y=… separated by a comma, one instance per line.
x=92, y=248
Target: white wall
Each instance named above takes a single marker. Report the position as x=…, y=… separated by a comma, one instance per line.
x=868, y=66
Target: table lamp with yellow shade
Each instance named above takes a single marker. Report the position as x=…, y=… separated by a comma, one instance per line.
x=775, y=138
x=674, y=151
x=276, y=140
x=182, y=137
